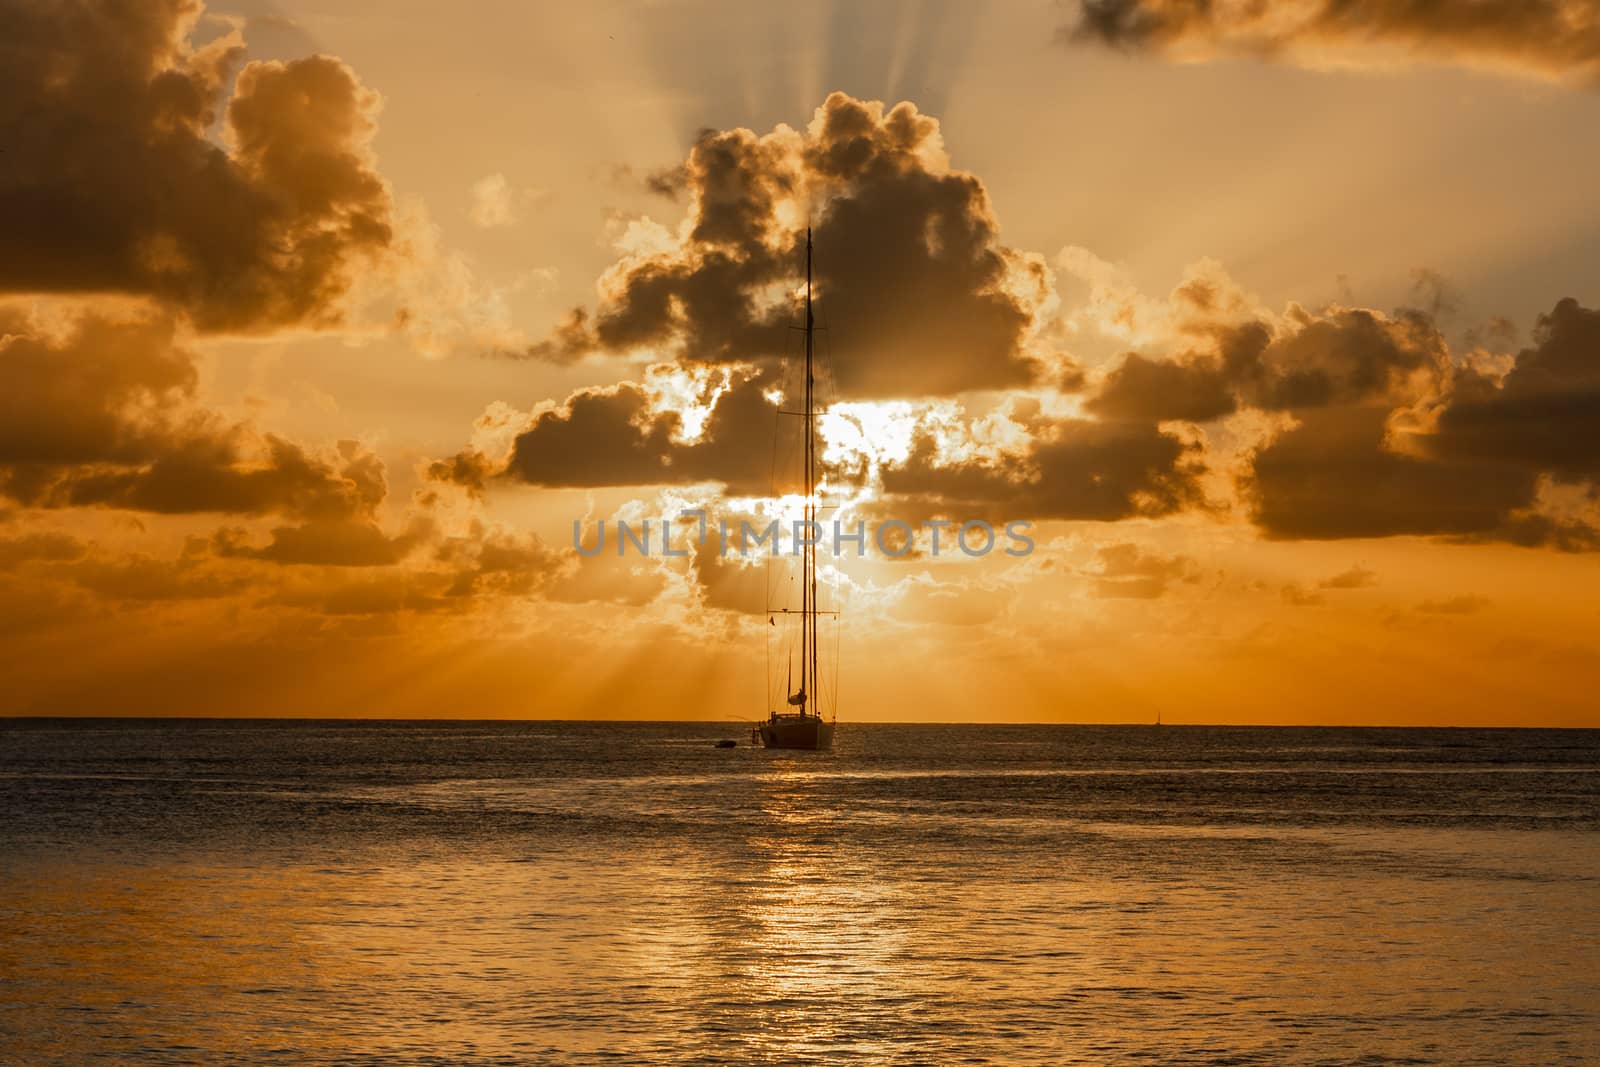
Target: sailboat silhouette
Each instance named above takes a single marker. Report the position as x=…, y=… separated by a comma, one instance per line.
x=804, y=728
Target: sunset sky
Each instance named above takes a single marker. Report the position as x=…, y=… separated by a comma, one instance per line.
x=322, y=322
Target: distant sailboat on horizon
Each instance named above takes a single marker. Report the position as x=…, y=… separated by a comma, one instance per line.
x=803, y=726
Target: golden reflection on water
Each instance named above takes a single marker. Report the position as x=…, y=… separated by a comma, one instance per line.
x=800, y=932
x=828, y=930
x=149, y=958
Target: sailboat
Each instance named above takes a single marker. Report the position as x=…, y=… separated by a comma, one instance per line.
x=801, y=725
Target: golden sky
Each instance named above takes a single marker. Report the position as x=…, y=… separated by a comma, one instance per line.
x=323, y=322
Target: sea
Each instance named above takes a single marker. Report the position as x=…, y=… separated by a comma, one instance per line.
x=451, y=892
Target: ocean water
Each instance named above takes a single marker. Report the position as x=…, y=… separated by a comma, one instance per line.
x=486, y=893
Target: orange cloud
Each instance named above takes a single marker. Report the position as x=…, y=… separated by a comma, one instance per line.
x=113, y=184
x=101, y=412
x=1554, y=39
x=909, y=259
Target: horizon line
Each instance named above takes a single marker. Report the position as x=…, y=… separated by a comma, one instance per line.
x=1143, y=724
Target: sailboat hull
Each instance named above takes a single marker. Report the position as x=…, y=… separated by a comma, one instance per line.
x=804, y=732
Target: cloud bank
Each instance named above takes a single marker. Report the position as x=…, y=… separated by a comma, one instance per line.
x=111, y=181
x=1552, y=39
x=910, y=267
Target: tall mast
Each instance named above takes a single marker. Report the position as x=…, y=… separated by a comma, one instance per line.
x=808, y=576
x=808, y=559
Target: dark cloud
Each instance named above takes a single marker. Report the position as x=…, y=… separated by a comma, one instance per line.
x=94, y=392
x=916, y=282
x=730, y=581
x=1532, y=530
x=1390, y=435
x=599, y=437
x=1336, y=476
x=458, y=572
x=346, y=542
x=1195, y=389
x=669, y=182
x=1545, y=414
x=350, y=567
x=1128, y=571
x=1073, y=469
x=1342, y=356
x=617, y=436
x=101, y=412
x=220, y=475
x=1350, y=469
x=470, y=470
x=1354, y=578
x=40, y=546
x=909, y=267
x=110, y=182
x=1298, y=595
x=141, y=578
x=1385, y=435
x=1375, y=429
x=1346, y=356
x=1546, y=38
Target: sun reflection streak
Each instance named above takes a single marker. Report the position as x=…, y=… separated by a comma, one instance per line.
x=821, y=937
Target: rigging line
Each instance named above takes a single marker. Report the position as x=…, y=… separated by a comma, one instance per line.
x=773, y=494
x=766, y=636
x=829, y=391
x=838, y=635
